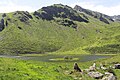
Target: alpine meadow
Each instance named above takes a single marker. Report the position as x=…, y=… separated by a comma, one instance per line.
x=58, y=42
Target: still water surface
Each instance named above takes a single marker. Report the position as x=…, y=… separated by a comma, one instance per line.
x=47, y=58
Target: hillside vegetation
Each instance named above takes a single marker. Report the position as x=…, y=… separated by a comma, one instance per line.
x=57, y=28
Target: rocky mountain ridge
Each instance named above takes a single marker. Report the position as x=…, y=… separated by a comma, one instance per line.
x=102, y=17
x=116, y=17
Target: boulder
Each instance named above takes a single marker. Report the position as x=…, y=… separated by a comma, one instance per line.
x=109, y=76
x=96, y=75
x=93, y=67
x=117, y=66
x=76, y=67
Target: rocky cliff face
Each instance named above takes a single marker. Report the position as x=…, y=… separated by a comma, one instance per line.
x=116, y=17
x=102, y=17
x=62, y=14
x=58, y=10
x=23, y=16
x=2, y=24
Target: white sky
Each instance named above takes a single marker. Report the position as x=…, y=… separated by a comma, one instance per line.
x=109, y=7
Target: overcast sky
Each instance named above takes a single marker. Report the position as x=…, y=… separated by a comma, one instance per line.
x=109, y=7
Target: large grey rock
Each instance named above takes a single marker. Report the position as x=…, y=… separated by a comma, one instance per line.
x=112, y=77
x=96, y=75
x=109, y=76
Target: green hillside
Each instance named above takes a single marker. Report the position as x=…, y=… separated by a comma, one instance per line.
x=57, y=28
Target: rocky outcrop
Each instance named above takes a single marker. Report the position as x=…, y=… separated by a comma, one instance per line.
x=58, y=11
x=116, y=17
x=43, y=15
x=23, y=16
x=2, y=24
x=102, y=17
x=67, y=22
x=104, y=20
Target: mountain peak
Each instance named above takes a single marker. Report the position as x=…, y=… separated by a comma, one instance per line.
x=59, y=11
x=77, y=7
x=102, y=17
x=116, y=17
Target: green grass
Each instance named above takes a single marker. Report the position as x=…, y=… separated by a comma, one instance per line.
x=22, y=70
x=13, y=69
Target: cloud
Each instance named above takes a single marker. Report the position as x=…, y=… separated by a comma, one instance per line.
x=10, y=6
x=15, y=5
x=114, y=10
x=111, y=10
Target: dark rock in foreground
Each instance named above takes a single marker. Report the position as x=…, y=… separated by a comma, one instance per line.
x=117, y=66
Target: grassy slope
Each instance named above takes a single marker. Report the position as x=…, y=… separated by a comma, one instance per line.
x=39, y=36
x=110, y=43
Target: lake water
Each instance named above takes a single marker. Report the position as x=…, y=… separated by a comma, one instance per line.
x=47, y=58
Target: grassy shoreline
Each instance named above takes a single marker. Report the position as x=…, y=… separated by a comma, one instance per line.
x=13, y=69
